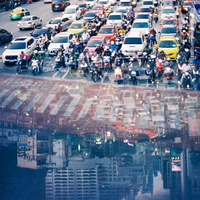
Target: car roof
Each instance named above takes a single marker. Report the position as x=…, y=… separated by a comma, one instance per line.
x=57, y=18
x=78, y=21
x=167, y=38
x=22, y=39
x=18, y=8
x=141, y=20
x=134, y=34
x=115, y=13
x=72, y=6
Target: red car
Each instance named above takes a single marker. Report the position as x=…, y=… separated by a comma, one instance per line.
x=169, y=21
x=94, y=41
x=98, y=8
x=108, y=31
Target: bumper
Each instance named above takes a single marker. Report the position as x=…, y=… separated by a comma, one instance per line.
x=173, y=56
x=52, y=52
x=10, y=62
x=25, y=26
x=16, y=17
x=58, y=9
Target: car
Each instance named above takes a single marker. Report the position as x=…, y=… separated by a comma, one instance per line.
x=72, y=12
x=59, y=5
x=90, y=3
x=141, y=25
x=18, y=13
x=106, y=3
x=89, y=16
x=144, y=9
x=142, y=16
x=77, y=27
x=108, y=31
x=168, y=31
x=170, y=46
x=5, y=36
x=12, y=52
x=185, y=6
x=148, y=3
x=170, y=21
x=115, y=19
x=98, y=8
x=113, y=2
x=133, y=41
x=47, y=1
x=30, y=21
x=64, y=21
x=61, y=38
x=167, y=11
x=83, y=8
x=94, y=41
x=40, y=30
x=125, y=3
x=122, y=10
x=134, y=3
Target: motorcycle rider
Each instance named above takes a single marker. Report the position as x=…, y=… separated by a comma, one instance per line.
x=40, y=43
x=156, y=11
x=84, y=57
x=85, y=36
x=122, y=31
x=99, y=49
x=60, y=53
x=153, y=32
x=184, y=34
x=181, y=58
x=196, y=62
x=169, y=63
x=37, y=57
x=112, y=45
x=185, y=22
x=186, y=68
x=162, y=55
x=22, y=58
x=59, y=28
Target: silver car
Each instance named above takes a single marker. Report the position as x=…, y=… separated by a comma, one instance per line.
x=31, y=21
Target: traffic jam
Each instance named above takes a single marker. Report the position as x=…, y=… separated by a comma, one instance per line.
x=136, y=42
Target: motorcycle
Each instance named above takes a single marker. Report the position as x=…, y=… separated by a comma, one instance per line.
x=118, y=75
x=118, y=42
x=35, y=67
x=21, y=66
x=186, y=82
x=106, y=60
x=152, y=39
x=156, y=18
x=73, y=63
x=95, y=74
x=84, y=67
x=58, y=62
x=159, y=67
x=150, y=73
x=143, y=57
x=133, y=76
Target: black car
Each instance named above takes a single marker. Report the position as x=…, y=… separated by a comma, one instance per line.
x=5, y=36
x=40, y=30
x=59, y=5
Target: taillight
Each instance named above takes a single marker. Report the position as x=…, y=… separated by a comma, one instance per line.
x=51, y=5
x=62, y=4
x=10, y=14
x=18, y=13
x=29, y=23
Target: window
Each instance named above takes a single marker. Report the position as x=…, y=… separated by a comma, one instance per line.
x=133, y=41
x=30, y=42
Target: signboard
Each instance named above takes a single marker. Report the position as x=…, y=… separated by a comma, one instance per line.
x=23, y=140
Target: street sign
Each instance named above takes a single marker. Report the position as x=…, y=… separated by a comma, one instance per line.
x=23, y=140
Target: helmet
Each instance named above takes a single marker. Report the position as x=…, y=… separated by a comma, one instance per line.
x=106, y=47
x=118, y=61
x=61, y=45
x=161, y=51
x=98, y=45
x=112, y=42
x=60, y=49
x=152, y=29
x=84, y=51
x=184, y=31
x=36, y=52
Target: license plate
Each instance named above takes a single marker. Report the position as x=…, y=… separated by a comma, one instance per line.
x=56, y=6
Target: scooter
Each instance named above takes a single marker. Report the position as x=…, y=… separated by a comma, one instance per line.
x=73, y=63
x=84, y=67
x=186, y=82
x=156, y=18
x=35, y=67
x=21, y=66
x=106, y=60
x=118, y=75
x=133, y=76
x=58, y=62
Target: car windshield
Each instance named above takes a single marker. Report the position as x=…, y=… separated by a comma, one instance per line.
x=60, y=39
x=170, y=10
x=168, y=30
x=106, y=30
x=114, y=17
x=25, y=19
x=17, y=45
x=96, y=8
x=94, y=43
x=133, y=41
x=89, y=0
x=55, y=21
x=37, y=32
x=82, y=5
x=70, y=11
x=169, y=22
x=142, y=17
x=187, y=4
x=102, y=2
x=144, y=10
x=16, y=11
x=89, y=15
x=121, y=11
x=125, y=4
x=167, y=44
x=76, y=26
x=147, y=3
x=140, y=25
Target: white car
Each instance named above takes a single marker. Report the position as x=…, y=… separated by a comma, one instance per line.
x=90, y=3
x=115, y=19
x=125, y=4
x=64, y=21
x=47, y=1
x=61, y=38
x=168, y=11
x=122, y=10
x=134, y=41
x=141, y=25
x=72, y=12
x=30, y=21
x=16, y=46
x=113, y=2
x=106, y=3
x=148, y=3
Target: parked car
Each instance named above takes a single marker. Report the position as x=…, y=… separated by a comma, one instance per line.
x=64, y=21
x=5, y=36
x=61, y=38
x=18, y=13
x=59, y=5
x=72, y=12
x=30, y=21
x=12, y=52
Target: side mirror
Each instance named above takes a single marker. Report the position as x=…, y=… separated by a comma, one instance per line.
x=6, y=47
x=31, y=33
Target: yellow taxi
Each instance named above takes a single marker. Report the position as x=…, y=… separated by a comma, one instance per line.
x=170, y=46
x=18, y=13
x=77, y=27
